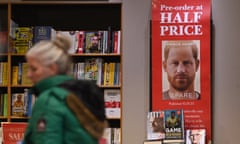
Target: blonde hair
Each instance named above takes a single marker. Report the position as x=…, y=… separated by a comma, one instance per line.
x=53, y=51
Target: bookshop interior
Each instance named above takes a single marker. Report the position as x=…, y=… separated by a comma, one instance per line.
x=167, y=70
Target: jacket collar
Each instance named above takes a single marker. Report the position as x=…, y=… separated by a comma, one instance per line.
x=49, y=82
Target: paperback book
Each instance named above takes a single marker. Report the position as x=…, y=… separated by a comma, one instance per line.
x=155, y=125
x=174, y=124
x=196, y=136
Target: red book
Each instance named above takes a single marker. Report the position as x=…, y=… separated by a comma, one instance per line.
x=81, y=37
x=13, y=132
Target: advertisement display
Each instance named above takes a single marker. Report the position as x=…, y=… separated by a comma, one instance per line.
x=181, y=60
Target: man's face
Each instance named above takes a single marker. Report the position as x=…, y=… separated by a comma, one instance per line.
x=94, y=40
x=195, y=136
x=180, y=67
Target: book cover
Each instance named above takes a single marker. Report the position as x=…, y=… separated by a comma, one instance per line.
x=91, y=69
x=91, y=42
x=18, y=104
x=13, y=132
x=24, y=34
x=196, y=136
x=112, y=103
x=155, y=125
x=72, y=35
x=43, y=33
x=21, y=46
x=174, y=124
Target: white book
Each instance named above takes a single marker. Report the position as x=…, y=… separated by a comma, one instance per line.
x=112, y=103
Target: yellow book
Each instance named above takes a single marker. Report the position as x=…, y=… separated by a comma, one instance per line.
x=15, y=75
x=25, y=79
x=106, y=81
x=112, y=71
x=5, y=73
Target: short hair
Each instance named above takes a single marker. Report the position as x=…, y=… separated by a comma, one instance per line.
x=53, y=51
x=178, y=44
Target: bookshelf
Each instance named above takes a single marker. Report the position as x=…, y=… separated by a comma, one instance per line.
x=62, y=16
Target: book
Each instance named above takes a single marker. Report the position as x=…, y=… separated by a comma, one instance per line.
x=3, y=41
x=107, y=135
x=153, y=142
x=25, y=79
x=1, y=104
x=112, y=103
x=15, y=75
x=111, y=136
x=91, y=69
x=23, y=39
x=43, y=33
x=174, y=124
x=24, y=34
x=91, y=42
x=107, y=73
x=13, y=132
x=5, y=73
x=80, y=70
x=155, y=125
x=174, y=141
x=197, y=136
x=5, y=105
x=81, y=42
x=18, y=104
x=73, y=37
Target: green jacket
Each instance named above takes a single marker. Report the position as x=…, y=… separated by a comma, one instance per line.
x=52, y=121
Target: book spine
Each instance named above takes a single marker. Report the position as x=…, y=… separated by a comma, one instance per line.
x=5, y=73
x=5, y=107
x=14, y=75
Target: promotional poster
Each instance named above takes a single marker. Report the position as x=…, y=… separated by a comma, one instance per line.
x=181, y=60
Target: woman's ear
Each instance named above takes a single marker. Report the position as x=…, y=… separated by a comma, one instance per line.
x=53, y=68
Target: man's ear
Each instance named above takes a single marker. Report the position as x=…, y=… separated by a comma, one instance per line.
x=197, y=64
x=164, y=63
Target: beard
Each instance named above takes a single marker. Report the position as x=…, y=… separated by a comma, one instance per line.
x=181, y=82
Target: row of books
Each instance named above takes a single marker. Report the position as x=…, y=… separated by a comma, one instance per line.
x=3, y=73
x=193, y=136
x=167, y=126
x=19, y=74
x=104, y=73
x=111, y=136
x=3, y=104
x=98, y=41
x=21, y=103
